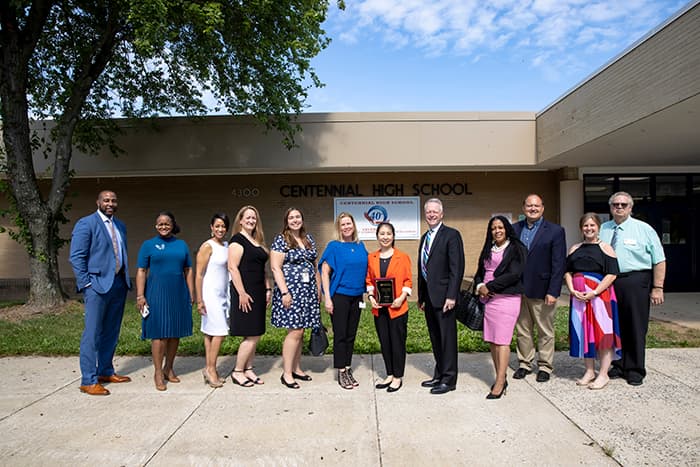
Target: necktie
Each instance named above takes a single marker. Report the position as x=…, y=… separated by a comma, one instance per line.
x=613, y=240
x=424, y=255
x=115, y=245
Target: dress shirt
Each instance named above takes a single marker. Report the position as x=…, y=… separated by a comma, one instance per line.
x=434, y=231
x=528, y=232
x=638, y=245
x=105, y=219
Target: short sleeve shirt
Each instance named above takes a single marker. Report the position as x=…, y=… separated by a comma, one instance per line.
x=637, y=244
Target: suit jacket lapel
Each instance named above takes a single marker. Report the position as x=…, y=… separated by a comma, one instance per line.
x=101, y=226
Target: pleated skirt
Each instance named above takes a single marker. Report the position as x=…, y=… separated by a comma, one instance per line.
x=171, y=310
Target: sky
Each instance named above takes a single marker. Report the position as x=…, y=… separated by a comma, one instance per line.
x=471, y=55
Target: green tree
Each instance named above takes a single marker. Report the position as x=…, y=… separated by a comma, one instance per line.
x=68, y=66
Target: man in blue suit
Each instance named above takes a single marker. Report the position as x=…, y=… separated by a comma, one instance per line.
x=542, y=278
x=100, y=263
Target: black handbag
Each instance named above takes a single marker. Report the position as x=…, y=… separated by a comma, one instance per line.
x=318, y=341
x=469, y=310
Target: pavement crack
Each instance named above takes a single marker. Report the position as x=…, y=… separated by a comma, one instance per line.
x=174, y=432
x=380, y=460
x=36, y=401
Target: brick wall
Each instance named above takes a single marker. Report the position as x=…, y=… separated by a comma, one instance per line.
x=194, y=199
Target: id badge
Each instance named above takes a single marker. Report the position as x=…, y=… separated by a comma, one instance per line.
x=305, y=277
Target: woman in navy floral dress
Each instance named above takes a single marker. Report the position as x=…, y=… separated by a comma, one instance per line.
x=295, y=301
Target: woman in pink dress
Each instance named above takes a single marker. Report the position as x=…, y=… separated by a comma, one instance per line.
x=499, y=284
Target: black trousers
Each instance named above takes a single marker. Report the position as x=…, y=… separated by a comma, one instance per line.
x=442, y=328
x=633, y=303
x=392, y=339
x=345, y=319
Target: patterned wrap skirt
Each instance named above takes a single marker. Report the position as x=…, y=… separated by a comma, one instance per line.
x=593, y=325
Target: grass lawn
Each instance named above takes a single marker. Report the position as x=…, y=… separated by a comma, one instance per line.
x=59, y=334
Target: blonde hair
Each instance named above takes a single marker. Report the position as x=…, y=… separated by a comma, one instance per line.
x=339, y=236
x=258, y=234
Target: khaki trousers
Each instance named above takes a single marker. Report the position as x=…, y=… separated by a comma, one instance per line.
x=533, y=312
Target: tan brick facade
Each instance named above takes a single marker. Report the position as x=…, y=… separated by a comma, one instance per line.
x=194, y=199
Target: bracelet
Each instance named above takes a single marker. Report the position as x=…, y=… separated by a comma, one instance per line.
x=286, y=293
x=139, y=296
x=657, y=287
x=370, y=296
x=268, y=290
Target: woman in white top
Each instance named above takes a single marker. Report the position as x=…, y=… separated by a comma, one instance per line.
x=212, y=284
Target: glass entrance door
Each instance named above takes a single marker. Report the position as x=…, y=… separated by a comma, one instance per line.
x=674, y=216
x=671, y=205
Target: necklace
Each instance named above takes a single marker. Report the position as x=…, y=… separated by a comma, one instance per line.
x=386, y=254
x=495, y=247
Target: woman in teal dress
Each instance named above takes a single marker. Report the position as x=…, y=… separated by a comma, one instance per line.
x=165, y=287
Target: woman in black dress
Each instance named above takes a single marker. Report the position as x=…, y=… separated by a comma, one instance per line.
x=250, y=291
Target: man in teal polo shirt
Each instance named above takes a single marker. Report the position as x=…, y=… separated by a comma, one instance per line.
x=640, y=282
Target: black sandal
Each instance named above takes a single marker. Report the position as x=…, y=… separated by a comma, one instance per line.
x=246, y=384
x=293, y=385
x=257, y=379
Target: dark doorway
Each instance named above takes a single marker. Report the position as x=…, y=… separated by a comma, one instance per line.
x=668, y=202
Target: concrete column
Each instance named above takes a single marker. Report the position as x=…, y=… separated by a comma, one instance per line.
x=571, y=208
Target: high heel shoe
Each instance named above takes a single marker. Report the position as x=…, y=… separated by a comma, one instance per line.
x=167, y=377
x=160, y=384
x=211, y=383
x=247, y=383
x=257, y=380
x=293, y=385
x=491, y=395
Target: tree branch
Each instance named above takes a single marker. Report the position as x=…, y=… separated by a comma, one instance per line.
x=87, y=72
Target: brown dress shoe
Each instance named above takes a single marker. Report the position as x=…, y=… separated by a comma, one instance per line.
x=95, y=390
x=115, y=378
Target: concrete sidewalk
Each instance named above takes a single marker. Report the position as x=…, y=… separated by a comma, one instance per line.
x=45, y=420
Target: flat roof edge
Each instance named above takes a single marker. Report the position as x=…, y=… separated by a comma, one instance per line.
x=682, y=11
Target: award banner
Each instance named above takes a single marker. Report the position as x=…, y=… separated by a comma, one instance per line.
x=402, y=211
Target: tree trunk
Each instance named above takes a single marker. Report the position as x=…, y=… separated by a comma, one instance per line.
x=44, y=281
x=39, y=225
x=45, y=289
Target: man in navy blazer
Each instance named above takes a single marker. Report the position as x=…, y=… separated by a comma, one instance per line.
x=99, y=259
x=440, y=273
x=542, y=278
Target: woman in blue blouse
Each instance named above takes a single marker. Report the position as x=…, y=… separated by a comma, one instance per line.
x=343, y=270
x=165, y=287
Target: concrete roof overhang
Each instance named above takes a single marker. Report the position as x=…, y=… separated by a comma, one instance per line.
x=640, y=109
x=667, y=137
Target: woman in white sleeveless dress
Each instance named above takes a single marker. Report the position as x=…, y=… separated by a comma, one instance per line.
x=212, y=284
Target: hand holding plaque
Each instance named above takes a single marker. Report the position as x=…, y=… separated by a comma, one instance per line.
x=384, y=287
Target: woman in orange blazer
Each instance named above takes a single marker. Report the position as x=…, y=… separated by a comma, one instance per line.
x=390, y=321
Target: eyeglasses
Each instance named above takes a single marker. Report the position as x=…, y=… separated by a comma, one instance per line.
x=619, y=205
